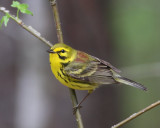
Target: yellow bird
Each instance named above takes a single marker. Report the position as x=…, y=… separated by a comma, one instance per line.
x=81, y=71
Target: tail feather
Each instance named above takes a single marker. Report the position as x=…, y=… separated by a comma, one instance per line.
x=130, y=82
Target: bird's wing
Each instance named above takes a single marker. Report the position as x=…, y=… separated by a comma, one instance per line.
x=93, y=70
x=107, y=64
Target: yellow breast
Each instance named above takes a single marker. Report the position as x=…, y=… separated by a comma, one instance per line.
x=58, y=70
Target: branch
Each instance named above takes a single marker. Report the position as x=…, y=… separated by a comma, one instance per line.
x=30, y=29
x=75, y=102
x=133, y=116
x=60, y=40
x=57, y=20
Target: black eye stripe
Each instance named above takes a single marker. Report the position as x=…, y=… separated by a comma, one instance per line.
x=61, y=51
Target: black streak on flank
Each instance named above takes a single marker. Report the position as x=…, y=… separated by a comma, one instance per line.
x=58, y=74
x=62, y=71
x=61, y=77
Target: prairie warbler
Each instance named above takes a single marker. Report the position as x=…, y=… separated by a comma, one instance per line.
x=81, y=71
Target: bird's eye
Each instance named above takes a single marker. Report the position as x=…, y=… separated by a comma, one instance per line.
x=63, y=51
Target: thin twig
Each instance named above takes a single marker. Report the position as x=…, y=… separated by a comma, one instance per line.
x=57, y=20
x=60, y=40
x=75, y=102
x=30, y=29
x=133, y=116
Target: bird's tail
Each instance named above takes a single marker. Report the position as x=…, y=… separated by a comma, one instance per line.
x=127, y=81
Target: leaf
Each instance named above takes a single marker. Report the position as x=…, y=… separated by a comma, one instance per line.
x=15, y=4
x=29, y=12
x=23, y=8
x=4, y=20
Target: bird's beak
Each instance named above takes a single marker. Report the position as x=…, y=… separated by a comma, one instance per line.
x=50, y=51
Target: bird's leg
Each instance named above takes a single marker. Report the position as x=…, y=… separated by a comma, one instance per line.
x=78, y=106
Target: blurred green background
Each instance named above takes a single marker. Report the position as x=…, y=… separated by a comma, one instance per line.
x=125, y=33
x=136, y=29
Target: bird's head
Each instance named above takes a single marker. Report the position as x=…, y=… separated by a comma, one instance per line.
x=62, y=53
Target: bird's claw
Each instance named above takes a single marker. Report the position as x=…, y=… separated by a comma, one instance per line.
x=75, y=109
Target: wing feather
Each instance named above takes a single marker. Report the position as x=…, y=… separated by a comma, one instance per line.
x=94, y=71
